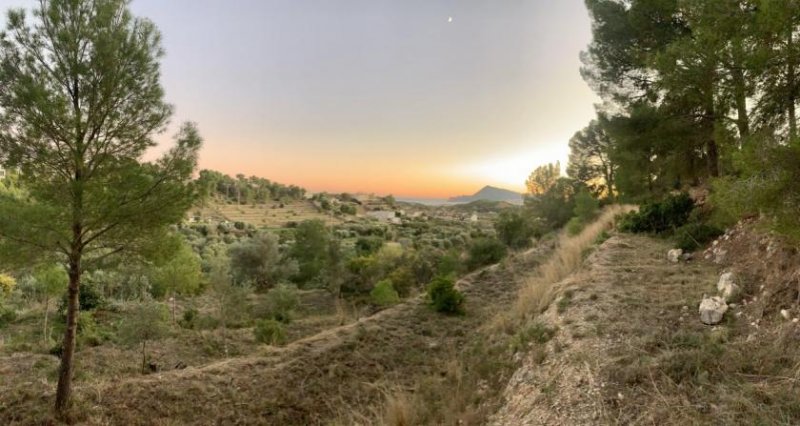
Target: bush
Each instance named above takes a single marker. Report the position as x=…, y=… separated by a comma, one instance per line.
x=89, y=298
x=7, y=284
x=280, y=304
x=269, y=331
x=7, y=315
x=189, y=319
x=443, y=295
x=659, y=217
x=384, y=294
x=485, y=251
x=692, y=236
x=515, y=228
x=574, y=226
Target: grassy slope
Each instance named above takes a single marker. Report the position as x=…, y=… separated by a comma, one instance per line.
x=631, y=350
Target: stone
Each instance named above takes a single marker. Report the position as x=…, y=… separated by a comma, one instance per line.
x=674, y=255
x=687, y=257
x=726, y=285
x=712, y=309
x=785, y=314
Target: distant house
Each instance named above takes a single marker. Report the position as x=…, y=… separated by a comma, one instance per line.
x=384, y=216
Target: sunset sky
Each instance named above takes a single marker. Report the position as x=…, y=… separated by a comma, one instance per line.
x=376, y=95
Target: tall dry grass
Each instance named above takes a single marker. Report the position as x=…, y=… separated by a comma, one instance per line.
x=538, y=291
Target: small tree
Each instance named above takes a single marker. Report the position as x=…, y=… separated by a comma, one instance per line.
x=50, y=282
x=280, y=304
x=384, y=294
x=443, y=295
x=258, y=259
x=231, y=299
x=80, y=104
x=179, y=275
x=147, y=322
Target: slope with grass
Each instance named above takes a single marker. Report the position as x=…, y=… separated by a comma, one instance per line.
x=628, y=348
x=311, y=381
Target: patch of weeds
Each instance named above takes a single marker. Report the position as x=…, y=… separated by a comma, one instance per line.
x=565, y=301
x=601, y=238
x=591, y=317
x=594, y=297
x=536, y=333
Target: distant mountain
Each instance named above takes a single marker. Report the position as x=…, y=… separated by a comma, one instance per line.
x=490, y=193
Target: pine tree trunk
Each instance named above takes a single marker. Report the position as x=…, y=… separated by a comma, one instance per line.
x=791, y=83
x=46, y=312
x=63, y=389
x=144, y=356
x=742, y=119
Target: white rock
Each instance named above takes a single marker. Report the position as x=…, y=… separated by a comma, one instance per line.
x=674, y=255
x=720, y=256
x=796, y=320
x=712, y=309
x=727, y=285
x=785, y=314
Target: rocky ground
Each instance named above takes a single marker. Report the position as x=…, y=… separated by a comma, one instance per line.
x=630, y=347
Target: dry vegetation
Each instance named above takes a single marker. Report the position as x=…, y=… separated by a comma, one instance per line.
x=629, y=348
x=272, y=214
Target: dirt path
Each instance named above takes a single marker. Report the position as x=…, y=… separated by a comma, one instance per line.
x=310, y=381
x=616, y=319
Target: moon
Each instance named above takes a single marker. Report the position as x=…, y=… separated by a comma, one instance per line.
x=449, y=19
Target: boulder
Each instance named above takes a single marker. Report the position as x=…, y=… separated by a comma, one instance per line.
x=727, y=285
x=712, y=309
x=674, y=255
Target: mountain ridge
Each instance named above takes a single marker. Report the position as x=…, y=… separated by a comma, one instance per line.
x=490, y=193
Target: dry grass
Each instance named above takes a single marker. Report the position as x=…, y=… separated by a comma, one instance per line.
x=538, y=291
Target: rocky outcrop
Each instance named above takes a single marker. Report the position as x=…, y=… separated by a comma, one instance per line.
x=712, y=310
x=726, y=286
x=674, y=255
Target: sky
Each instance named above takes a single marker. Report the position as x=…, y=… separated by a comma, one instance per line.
x=417, y=98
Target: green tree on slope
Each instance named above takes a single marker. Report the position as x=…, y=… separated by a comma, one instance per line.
x=81, y=100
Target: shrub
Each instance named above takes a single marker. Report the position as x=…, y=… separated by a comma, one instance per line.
x=574, y=226
x=659, y=217
x=280, y=304
x=694, y=235
x=7, y=315
x=269, y=331
x=384, y=294
x=485, y=251
x=89, y=298
x=7, y=284
x=515, y=228
x=444, y=296
x=189, y=319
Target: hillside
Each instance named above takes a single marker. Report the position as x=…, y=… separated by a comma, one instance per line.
x=490, y=193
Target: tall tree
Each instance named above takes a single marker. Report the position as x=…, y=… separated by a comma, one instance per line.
x=590, y=159
x=543, y=178
x=81, y=100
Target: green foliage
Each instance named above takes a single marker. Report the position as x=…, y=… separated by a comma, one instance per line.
x=516, y=228
x=574, y=226
x=366, y=246
x=485, y=251
x=258, y=260
x=89, y=299
x=443, y=295
x=279, y=304
x=692, y=236
x=586, y=206
x=659, y=217
x=270, y=332
x=384, y=294
x=189, y=318
x=179, y=275
x=51, y=281
x=312, y=250
x=555, y=207
x=7, y=284
x=146, y=321
x=7, y=315
x=543, y=178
